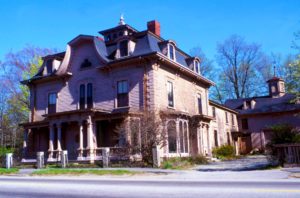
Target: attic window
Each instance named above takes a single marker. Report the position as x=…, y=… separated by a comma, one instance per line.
x=171, y=52
x=197, y=67
x=123, y=48
x=86, y=63
x=49, y=66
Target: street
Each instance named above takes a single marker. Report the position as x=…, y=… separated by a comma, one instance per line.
x=13, y=186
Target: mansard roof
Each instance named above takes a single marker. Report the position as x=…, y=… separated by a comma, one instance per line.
x=145, y=42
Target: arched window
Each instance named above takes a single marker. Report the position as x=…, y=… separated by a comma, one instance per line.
x=49, y=66
x=89, y=96
x=181, y=134
x=186, y=142
x=82, y=96
x=123, y=48
x=197, y=66
x=171, y=52
x=172, y=139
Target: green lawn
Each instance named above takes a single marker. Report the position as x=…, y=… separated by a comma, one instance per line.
x=4, y=171
x=57, y=171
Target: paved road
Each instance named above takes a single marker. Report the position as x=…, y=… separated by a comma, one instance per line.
x=123, y=187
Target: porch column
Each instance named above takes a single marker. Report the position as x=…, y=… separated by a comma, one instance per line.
x=90, y=145
x=80, y=149
x=51, y=139
x=25, y=144
x=58, y=140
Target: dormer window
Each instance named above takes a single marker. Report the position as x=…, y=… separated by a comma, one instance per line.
x=86, y=63
x=171, y=52
x=197, y=67
x=123, y=48
x=49, y=66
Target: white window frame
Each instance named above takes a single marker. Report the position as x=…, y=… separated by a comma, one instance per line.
x=169, y=54
x=197, y=67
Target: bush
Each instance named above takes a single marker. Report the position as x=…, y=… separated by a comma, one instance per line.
x=224, y=152
x=3, y=152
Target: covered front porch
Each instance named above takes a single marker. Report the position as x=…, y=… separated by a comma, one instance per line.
x=82, y=136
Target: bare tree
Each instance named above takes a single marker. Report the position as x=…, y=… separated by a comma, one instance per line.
x=206, y=65
x=239, y=61
x=145, y=132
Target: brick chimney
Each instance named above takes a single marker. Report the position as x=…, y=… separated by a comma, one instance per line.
x=154, y=27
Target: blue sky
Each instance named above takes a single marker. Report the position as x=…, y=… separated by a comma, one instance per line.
x=190, y=23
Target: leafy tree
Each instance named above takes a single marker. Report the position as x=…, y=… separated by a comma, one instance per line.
x=14, y=104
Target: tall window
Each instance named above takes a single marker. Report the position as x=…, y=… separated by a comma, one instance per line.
x=232, y=119
x=186, y=138
x=52, y=103
x=82, y=96
x=228, y=138
x=216, y=138
x=89, y=96
x=170, y=94
x=181, y=134
x=226, y=117
x=124, y=48
x=171, y=52
x=214, y=112
x=199, y=103
x=122, y=95
x=172, y=140
x=245, y=123
x=197, y=67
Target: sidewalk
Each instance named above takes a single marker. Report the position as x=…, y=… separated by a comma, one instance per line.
x=255, y=162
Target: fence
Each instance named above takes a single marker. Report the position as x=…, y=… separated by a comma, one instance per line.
x=289, y=153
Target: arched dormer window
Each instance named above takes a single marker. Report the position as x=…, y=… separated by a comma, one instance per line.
x=123, y=47
x=171, y=52
x=197, y=67
x=49, y=66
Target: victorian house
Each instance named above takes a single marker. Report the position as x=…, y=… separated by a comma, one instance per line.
x=79, y=97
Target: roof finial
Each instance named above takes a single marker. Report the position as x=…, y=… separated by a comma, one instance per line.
x=122, y=22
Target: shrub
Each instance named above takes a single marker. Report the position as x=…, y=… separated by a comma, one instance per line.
x=224, y=152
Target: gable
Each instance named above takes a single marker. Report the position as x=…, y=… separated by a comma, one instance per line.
x=84, y=56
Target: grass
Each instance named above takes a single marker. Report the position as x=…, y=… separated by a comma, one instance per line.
x=57, y=171
x=180, y=163
x=4, y=171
